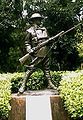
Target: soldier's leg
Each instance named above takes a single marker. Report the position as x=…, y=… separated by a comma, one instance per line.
x=26, y=77
x=34, y=63
x=31, y=68
x=47, y=74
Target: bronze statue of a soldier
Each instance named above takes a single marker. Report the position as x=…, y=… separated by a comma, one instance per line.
x=36, y=35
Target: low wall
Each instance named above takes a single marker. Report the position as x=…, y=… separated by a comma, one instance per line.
x=18, y=108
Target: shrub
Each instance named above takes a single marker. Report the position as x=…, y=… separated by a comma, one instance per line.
x=56, y=78
x=5, y=92
x=16, y=80
x=71, y=91
x=35, y=82
x=11, y=83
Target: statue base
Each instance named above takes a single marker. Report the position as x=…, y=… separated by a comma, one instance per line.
x=18, y=105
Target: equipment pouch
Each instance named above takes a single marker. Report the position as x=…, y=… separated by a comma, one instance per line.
x=42, y=52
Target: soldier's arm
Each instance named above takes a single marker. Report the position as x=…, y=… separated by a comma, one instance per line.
x=28, y=43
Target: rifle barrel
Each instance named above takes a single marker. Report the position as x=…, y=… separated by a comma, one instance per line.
x=71, y=29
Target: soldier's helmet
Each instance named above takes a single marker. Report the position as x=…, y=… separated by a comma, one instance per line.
x=36, y=16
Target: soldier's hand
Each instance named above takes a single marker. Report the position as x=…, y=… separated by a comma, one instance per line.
x=32, y=51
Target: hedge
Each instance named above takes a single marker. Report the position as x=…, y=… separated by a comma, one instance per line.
x=70, y=87
x=71, y=91
x=16, y=81
x=35, y=82
x=11, y=83
x=5, y=92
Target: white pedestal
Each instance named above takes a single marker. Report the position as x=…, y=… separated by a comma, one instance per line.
x=38, y=108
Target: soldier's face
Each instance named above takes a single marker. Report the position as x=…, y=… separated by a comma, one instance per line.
x=37, y=21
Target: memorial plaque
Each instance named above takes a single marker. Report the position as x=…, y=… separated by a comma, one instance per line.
x=38, y=108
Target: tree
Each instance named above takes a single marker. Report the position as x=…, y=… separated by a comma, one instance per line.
x=10, y=33
x=59, y=15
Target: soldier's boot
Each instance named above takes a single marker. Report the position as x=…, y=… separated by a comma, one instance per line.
x=51, y=85
x=22, y=88
x=48, y=77
x=26, y=77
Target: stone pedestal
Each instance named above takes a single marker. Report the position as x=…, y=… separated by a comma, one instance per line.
x=58, y=112
x=18, y=106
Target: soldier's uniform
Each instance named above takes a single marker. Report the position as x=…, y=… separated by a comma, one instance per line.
x=35, y=36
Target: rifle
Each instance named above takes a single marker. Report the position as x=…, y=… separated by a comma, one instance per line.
x=25, y=57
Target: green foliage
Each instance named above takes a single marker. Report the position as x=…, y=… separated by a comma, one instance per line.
x=13, y=59
x=35, y=82
x=5, y=92
x=38, y=81
x=16, y=81
x=56, y=78
x=79, y=35
x=11, y=83
x=10, y=23
x=70, y=86
x=71, y=91
x=81, y=50
x=60, y=15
